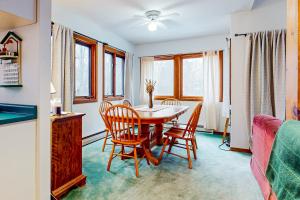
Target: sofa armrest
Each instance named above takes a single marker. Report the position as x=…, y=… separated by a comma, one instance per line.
x=263, y=134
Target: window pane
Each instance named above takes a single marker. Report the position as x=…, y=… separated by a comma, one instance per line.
x=192, y=77
x=108, y=76
x=164, y=76
x=119, y=76
x=82, y=70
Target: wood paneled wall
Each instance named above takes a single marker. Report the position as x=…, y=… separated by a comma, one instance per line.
x=293, y=61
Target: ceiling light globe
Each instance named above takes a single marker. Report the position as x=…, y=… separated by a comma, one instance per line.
x=152, y=26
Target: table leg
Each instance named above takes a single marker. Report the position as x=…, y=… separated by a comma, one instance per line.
x=148, y=144
x=159, y=133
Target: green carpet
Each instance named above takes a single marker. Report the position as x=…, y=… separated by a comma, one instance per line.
x=216, y=175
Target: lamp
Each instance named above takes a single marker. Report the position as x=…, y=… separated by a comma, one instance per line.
x=152, y=26
x=52, y=88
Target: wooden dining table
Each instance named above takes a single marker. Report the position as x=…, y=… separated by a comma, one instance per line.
x=157, y=116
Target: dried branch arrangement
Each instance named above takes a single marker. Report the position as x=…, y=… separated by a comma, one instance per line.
x=150, y=85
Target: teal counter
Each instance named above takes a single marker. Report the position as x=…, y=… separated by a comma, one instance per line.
x=11, y=113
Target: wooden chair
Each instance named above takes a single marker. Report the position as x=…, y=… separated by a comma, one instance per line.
x=122, y=121
x=102, y=109
x=126, y=102
x=187, y=135
x=171, y=102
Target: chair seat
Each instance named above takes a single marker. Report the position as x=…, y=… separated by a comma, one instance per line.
x=176, y=133
x=125, y=141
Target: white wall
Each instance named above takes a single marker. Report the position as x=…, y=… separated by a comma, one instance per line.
x=36, y=91
x=270, y=17
x=92, y=122
x=193, y=45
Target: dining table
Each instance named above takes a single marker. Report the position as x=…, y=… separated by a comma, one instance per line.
x=154, y=118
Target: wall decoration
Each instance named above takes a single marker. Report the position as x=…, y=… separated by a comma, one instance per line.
x=10, y=61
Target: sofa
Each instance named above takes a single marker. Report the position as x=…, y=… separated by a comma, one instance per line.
x=264, y=130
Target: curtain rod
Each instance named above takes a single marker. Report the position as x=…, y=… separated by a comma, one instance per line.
x=182, y=54
x=104, y=43
x=240, y=34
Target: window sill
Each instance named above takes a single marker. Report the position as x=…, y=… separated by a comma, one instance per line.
x=84, y=100
x=117, y=98
x=180, y=99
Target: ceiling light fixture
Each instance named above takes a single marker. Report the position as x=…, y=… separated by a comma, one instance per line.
x=152, y=26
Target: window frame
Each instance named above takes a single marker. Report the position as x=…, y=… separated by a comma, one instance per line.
x=178, y=76
x=115, y=53
x=92, y=44
x=161, y=58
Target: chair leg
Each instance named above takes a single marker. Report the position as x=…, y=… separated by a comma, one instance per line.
x=144, y=148
x=122, y=151
x=104, y=143
x=111, y=157
x=188, y=153
x=171, y=145
x=196, y=142
x=194, y=146
x=136, y=162
x=163, y=149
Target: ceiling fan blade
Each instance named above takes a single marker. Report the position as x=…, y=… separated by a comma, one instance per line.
x=180, y=4
x=140, y=17
x=161, y=25
x=169, y=15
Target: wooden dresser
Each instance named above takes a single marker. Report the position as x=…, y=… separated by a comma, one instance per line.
x=66, y=159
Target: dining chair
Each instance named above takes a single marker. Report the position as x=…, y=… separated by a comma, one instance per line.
x=126, y=102
x=171, y=102
x=187, y=135
x=102, y=109
x=122, y=121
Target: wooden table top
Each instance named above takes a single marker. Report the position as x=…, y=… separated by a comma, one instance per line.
x=159, y=113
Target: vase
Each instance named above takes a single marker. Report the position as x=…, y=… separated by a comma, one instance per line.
x=150, y=100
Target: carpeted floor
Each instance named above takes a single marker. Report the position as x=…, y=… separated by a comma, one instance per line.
x=216, y=175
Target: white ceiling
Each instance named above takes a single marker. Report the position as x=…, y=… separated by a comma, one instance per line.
x=197, y=17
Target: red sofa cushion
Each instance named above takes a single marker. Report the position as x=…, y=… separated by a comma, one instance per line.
x=263, y=134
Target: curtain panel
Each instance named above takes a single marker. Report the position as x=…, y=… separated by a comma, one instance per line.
x=63, y=65
x=265, y=74
x=128, y=77
x=211, y=79
x=147, y=65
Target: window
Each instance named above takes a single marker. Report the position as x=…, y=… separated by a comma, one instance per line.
x=85, y=69
x=164, y=77
x=182, y=77
x=114, y=64
x=192, y=69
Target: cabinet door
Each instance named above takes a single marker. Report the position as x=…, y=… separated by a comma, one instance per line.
x=66, y=151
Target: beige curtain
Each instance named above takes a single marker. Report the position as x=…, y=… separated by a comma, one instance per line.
x=147, y=65
x=211, y=79
x=128, y=76
x=63, y=65
x=265, y=74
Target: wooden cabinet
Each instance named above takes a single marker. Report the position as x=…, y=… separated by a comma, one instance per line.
x=66, y=159
x=293, y=61
x=15, y=13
